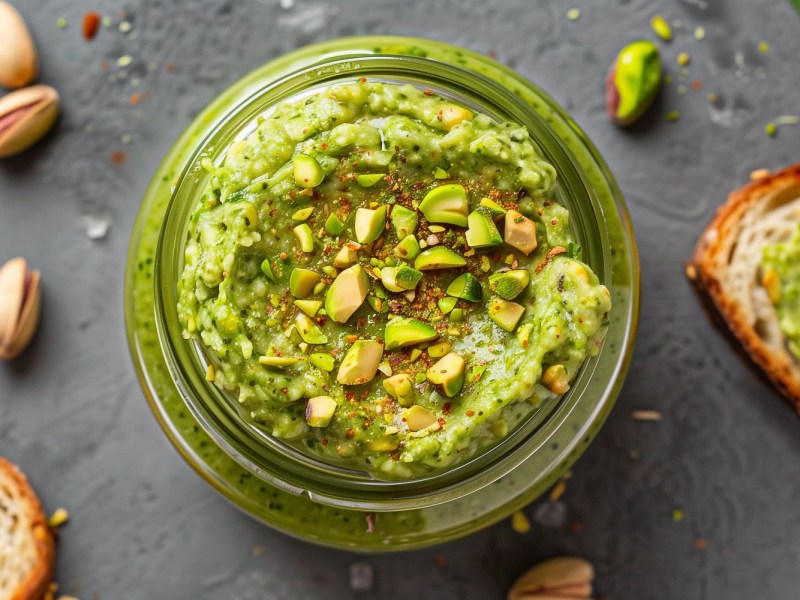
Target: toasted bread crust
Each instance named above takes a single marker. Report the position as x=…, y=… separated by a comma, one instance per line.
x=35, y=584
x=707, y=272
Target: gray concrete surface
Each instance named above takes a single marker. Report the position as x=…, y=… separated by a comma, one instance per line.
x=727, y=452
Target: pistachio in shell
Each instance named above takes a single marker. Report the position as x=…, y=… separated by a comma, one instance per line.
x=20, y=304
x=563, y=577
x=18, y=61
x=26, y=115
x=633, y=82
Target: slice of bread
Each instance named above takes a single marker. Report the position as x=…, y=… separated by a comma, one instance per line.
x=27, y=548
x=726, y=267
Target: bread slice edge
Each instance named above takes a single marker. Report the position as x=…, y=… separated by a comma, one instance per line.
x=704, y=271
x=35, y=583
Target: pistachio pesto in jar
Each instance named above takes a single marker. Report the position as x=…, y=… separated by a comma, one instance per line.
x=381, y=276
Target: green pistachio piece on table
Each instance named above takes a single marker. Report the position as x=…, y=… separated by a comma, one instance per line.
x=633, y=82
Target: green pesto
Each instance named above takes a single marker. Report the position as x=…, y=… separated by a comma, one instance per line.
x=239, y=313
x=784, y=261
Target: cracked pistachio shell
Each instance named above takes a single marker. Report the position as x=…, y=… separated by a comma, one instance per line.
x=18, y=62
x=20, y=304
x=26, y=115
x=565, y=576
x=633, y=82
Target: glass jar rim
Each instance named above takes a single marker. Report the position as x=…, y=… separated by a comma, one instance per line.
x=297, y=472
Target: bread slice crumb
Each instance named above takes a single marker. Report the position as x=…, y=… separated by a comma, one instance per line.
x=726, y=269
x=27, y=548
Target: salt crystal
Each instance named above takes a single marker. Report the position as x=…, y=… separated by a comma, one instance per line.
x=97, y=226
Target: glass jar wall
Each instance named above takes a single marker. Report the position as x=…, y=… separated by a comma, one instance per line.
x=291, y=492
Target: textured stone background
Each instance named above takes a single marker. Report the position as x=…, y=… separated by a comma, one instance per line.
x=727, y=452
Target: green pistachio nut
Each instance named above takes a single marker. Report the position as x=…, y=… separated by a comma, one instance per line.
x=633, y=82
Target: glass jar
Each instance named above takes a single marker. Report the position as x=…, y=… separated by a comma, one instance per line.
x=292, y=491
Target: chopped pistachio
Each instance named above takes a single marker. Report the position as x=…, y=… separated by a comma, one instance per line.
x=305, y=237
x=303, y=214
x=279, y=361
x=58, y=518
x=417, y=418
x=556, y=379
x=661, y=27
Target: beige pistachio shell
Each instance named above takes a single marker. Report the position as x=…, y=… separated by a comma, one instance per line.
x=18, y=61
x=20, y=305
x=564, y=577
x=26, y=115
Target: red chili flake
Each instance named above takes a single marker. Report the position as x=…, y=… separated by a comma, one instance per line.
x=441, y=421
x=273, y=213
x=324, y=146
x=324, y=441
x=700, y=543
x=104, y=65
x=470, y=413
x=284, y=390
x=135, y=98
x=428, y=92
x=554, y=222
x=91, y=21
x=349, y=395
x=362, y=80
x=170, y=67
x=283, y=255
x=697, y=84
x=118, y=157
x=446, y=407
x=350, y=432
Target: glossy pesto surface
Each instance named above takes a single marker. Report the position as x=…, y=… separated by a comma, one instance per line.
x=781, y=266
x=410, y=144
